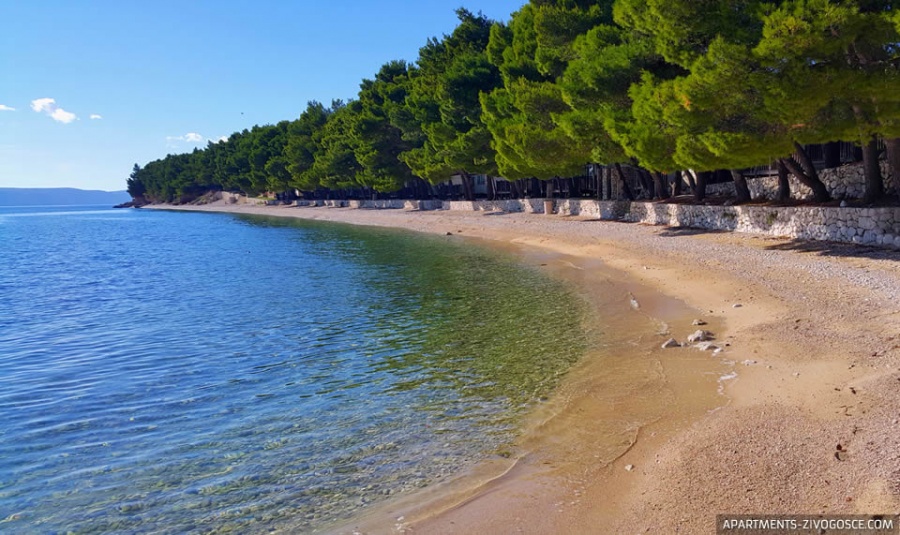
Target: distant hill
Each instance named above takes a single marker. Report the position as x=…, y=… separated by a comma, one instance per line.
x=60, y=197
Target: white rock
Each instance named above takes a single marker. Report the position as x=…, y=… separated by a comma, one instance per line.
x=699, y=336
x=671, y=342
x=629, y=467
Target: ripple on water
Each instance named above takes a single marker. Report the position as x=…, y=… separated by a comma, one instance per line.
x=192, y=372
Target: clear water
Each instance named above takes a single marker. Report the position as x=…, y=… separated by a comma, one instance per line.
x=205, y=373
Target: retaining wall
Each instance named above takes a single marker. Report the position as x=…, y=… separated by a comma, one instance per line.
x=870, y=226
x=395, y=204
x=845, y=182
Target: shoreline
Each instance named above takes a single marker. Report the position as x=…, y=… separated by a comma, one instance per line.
x=813, y=343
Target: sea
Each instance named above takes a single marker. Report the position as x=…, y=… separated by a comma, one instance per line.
x=183, y=372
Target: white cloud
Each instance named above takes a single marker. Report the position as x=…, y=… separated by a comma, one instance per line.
x=4, y=107
x=190, y=137
x=42, y=104
x=63, y=116
x=49, y=107
x=96, y=116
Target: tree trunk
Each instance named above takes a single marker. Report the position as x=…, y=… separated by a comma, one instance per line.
x=808, y=174
x=651, y=184
x=646, y=183
x=660, y=182
x=690, y=178
x=820, y=192
x=874, y=183
x=893, y=158
x=677, y=185
x=784, y=185
x=700, y=187
x=832, y=153
x=608, y=175
x=626, y=190
x=741, y=188
x=803, y=158
x=468, y=189
x=491, y=189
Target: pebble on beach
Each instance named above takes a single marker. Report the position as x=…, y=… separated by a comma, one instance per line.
x=671, y=342
x=699, y=336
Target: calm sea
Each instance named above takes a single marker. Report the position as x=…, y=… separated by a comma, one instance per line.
x=180, y=372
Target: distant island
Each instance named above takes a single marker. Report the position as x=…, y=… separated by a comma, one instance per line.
x=60, y=197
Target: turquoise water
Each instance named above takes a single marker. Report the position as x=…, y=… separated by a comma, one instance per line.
x=205, y=373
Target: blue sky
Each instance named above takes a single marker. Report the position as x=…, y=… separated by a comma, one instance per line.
x=89, y=88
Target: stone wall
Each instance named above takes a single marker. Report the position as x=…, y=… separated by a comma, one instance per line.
x=845, y=182
x=579, y=207
x=397, y=204
x=869, y=226
x=529, y=206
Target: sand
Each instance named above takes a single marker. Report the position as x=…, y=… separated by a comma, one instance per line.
x=800, y=414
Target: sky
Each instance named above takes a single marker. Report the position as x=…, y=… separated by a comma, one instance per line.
x=89, y=88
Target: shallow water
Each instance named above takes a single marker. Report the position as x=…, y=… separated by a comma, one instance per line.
x=184, y=372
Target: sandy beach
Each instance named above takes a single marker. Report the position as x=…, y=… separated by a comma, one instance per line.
x=798, y=414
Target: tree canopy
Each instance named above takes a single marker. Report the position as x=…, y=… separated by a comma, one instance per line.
x=661, y=85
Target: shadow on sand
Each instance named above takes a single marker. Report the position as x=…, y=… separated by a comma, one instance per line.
x=824, y=248
x=821, y=248
x=677, y=232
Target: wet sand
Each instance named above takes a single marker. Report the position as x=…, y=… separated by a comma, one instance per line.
x=811, y=340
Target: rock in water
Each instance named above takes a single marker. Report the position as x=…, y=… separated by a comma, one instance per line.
x=671, y=342
x=699, y=336
x=633, y=302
